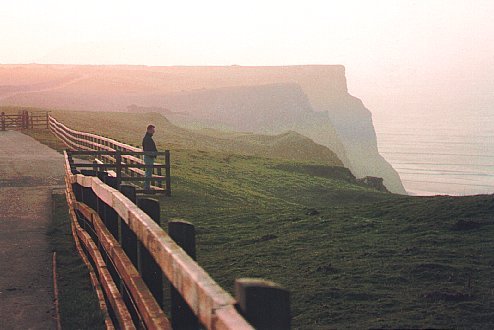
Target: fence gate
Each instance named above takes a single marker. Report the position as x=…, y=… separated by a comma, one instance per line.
x=23, y=120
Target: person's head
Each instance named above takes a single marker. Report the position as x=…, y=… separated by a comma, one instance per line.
x=150, y=129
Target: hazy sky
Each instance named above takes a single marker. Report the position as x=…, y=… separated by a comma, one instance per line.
x=398, y=54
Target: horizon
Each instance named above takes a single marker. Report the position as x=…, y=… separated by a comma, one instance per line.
x=411, y=56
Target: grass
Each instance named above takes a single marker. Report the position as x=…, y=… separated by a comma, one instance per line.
x=79, y=308
x=351, y=257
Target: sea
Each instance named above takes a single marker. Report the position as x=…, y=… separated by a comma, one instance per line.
x=439, y=154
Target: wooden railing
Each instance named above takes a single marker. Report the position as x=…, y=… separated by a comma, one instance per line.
x=123, y=158
x=24, y=120
x=128, y=253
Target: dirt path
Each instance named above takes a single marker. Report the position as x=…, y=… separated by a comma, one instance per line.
x=28, y=173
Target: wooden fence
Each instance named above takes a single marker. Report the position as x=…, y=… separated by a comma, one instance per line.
x=111, y=154
x=24, y=120
x=129, y=254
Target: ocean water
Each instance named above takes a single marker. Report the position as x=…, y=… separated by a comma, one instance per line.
x=435, y=154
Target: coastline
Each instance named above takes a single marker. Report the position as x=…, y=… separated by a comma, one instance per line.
x=439, y=157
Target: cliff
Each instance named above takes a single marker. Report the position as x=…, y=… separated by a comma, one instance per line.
x=330, y=117
x=311, y=100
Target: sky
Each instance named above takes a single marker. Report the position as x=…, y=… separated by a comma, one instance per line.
x=400, y=55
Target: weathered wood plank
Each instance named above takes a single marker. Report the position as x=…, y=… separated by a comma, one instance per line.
x=227, y=317
x=90, y=135
x=112, y=293
x=153, y=316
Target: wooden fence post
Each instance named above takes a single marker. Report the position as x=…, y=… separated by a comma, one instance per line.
x=183, y=233
x=159, y=182
x=264, y=304
x=102, y=207
x=111, y=181
x=132, y=173
x=111, y=221
x=90, y=199
x=129, y=192
x=104, y=210
x=126, y=237
x=168, y=191
x=118, y=165
x=148, y=268
x=73, y=169
x=2, y=121
x=77, y=189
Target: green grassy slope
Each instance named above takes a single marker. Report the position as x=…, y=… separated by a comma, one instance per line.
x=131, y=127
x=351, y=257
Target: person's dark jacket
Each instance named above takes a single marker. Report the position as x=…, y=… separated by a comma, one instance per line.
x=148, y=143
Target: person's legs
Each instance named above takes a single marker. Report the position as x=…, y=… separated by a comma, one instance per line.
x=149, y=161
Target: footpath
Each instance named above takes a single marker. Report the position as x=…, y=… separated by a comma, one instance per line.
x=29, y=171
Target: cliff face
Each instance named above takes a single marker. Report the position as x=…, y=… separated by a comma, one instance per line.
x=353, y=123
x=311, y=100
x=315, y=103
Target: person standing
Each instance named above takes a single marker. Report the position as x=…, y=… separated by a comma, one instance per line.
x=148, y=145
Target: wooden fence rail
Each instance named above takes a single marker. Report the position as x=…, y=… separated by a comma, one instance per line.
x=121, y=237
x=124, y=158
x=127, y=171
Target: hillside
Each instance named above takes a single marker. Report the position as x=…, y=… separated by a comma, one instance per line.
x=316, y=95
x=352, y=257
x=125, y=126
